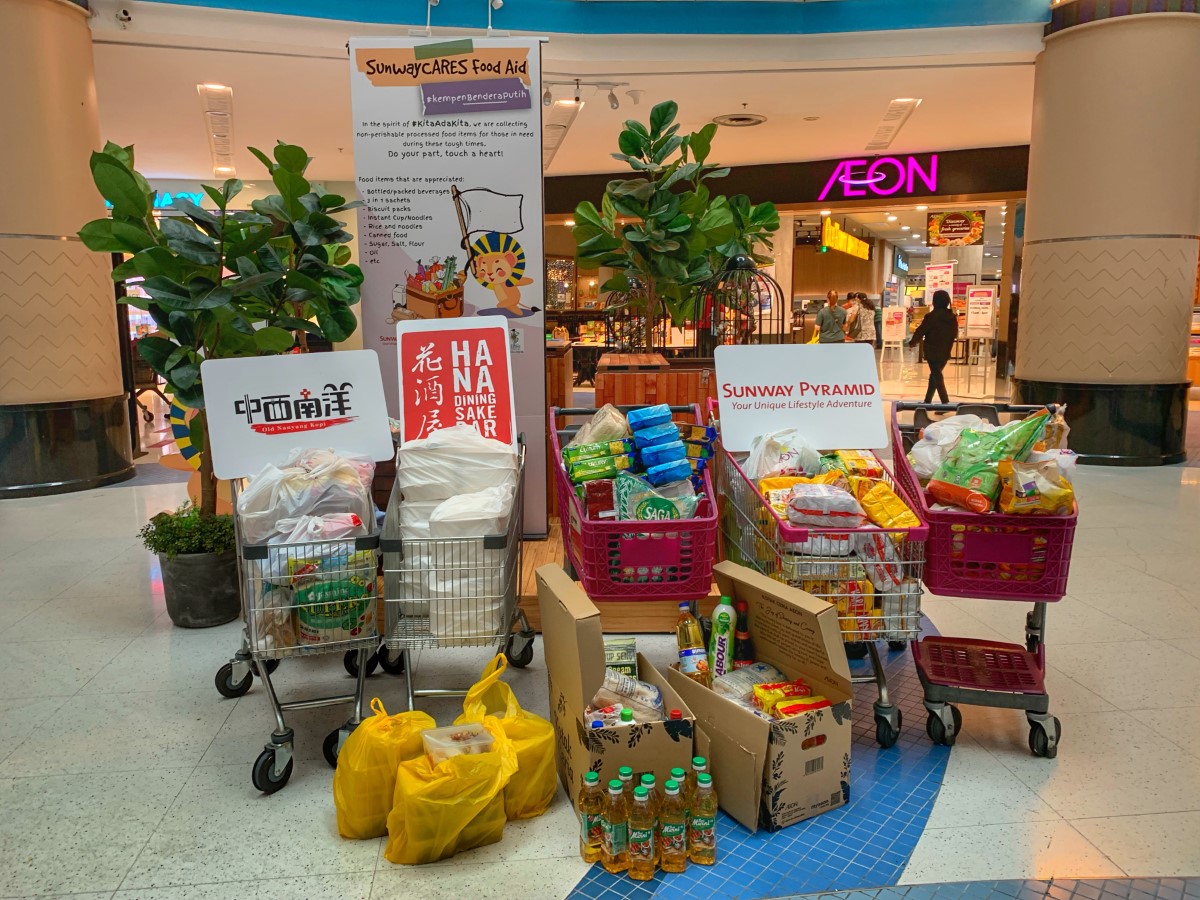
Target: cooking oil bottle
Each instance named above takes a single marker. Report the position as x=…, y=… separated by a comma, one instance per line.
x=693, y=656
x=642, y=836
x=652, y=796
x=614, y=855
x=702, y=827
x=699, y=765
x=672, y=831
x=591, y=804
x=625, y=774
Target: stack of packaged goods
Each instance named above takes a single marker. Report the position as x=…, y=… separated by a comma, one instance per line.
x=640, y=466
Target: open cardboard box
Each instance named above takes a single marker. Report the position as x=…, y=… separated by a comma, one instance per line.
x=777, y=773
x=573, y=642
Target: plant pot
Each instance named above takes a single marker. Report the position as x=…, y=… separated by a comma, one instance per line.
x=201, y=589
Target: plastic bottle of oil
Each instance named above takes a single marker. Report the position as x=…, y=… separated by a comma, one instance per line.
x=648, y=784
x=699, y=765
x=702, y=827
x=693, y=656
x=642, y=836
x=672, y=831
x=625, y=774
x=680, y=778
x=591, y=804
x=614, y=854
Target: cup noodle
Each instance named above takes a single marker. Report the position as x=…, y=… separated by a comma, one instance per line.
x=573, y=642
x=775, y=774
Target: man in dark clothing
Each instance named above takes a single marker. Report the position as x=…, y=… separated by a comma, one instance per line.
x=939, y=329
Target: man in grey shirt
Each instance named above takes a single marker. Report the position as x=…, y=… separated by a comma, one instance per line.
x=831, y=321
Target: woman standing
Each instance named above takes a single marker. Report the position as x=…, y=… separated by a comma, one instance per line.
x=939, y=329
x=853, y=317
x=831, y=321
x=866, y=320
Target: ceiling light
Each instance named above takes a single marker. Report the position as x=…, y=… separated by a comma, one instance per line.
x=922, y=208
x=739, y=120
x=811, y=118
x=223, y=168
x=892, y=218
x=612, y=100
x=827, y=212
x=987, y=254
x=906, y=228
x=893, y=120
x=214, y=87
x=547, y=98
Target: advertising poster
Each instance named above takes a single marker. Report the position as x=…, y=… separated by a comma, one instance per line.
x=448, y=160
x=895, y=328
x=939, y=277
x=981, y=312
x=956, y=228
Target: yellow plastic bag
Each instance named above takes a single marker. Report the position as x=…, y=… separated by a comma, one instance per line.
x=531, y=790
x=365, y=778
x=439, y=810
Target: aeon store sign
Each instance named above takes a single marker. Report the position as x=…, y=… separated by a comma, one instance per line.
x=884, y=176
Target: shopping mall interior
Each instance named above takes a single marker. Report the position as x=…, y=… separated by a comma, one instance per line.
x=982, y=634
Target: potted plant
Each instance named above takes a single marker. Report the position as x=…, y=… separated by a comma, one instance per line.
x=222, y=283
x=664, y=230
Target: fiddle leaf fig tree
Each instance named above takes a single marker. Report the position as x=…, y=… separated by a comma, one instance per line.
x=225, y=283
x=664, y=228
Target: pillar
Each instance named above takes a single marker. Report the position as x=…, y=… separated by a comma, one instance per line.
x=1112, y=229
x=63, y=418
x=968, y=260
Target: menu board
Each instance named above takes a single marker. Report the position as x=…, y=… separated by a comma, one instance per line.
x=981, y=312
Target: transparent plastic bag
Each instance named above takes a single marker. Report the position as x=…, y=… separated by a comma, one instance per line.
x=784, y=452
x=331, y=485
x=453, y=461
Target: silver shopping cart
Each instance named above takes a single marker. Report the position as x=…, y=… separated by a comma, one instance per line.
x=302, y=599
x=872, y=575
x=453, y=592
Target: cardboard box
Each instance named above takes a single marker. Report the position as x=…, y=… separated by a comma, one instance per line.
x=768, y=773
x=573, y=642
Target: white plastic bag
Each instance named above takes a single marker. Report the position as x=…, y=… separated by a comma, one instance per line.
x=315, y=459
x=783, y=452
x=930, y=451
x=324, y=484
x=473, y=515
x=453, y=461
x=273, y=624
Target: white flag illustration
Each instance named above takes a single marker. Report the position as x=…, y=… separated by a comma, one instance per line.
x=485, y=210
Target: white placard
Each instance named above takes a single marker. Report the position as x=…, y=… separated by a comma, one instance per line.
x=981, y=312
x=829, y=392
x=262, y=407
x=895, y=324
x=939, y=277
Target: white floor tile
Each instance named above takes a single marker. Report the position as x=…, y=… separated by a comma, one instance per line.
x=72, y=617
x=1162, y=611
x=1135, y=674
x=167, y=658
x=19, y=718
x=79, y=833
x=1041, y=850
x=355, y=886
x=1163, y=846
x=1070, y=621
x=13, y=610
x=51, y=668
x=978, y=790
x=1179, y=726
x=549, y=879
x=220, y=822
x=133, y=572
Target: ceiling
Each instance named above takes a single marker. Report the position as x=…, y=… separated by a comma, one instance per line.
x=823, y=96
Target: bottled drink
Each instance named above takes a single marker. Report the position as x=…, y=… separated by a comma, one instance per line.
x=642, y=836
x=702, y=829
x=652, y=794
x=676, y=715
x=720, y=646
x=614, y=854
x=672, y=831
x=699, y=766
x=591, y=831
x=743, y=649
x=693, y=658
x=626, y=716
x=625, y=774
x=680, y=778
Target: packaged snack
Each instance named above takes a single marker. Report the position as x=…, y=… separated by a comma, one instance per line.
x=936, y=440
x=783, y=452
x=608, y=424
x=968, y=477
x=598, y=498
x=603, y=467
x=884, y=507
x=898, y=610
x=1034, y=488
x=663, y=453
x=598, y=449
x=467, y=739
x=777, y=491
x=824, y=506
x=698, y=433
x=648, y=417
x=879, y=558
x=637, y=499
x=1057, y=429
x=750, y=707
x=860, y=462
x=739, y=684
x=789, y=708
x=658, y=434
x=766, y=696
x=698, y=465
x=620, y=655
x=679, y=470
x=824, y=543
x=953, y=495
x=632, y=689
x=696, y=450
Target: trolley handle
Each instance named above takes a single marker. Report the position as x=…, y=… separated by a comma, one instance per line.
x=261, y=551
x=908, y=405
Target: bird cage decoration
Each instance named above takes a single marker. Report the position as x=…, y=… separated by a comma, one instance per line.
x=626, y=314
x=742, y=304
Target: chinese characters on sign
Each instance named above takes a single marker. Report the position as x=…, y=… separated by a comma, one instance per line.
x=307, y=411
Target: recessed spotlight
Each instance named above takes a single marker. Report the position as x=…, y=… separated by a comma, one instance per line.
x=612, y=100
x=827, y=212
x=223, y=169
x=547, y=98
x=922, y=208
x=215, y=87
x=906, y=228
x=892, y=218
x=811, y=118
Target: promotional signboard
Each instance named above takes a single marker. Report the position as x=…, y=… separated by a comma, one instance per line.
x=829, y=392
x=955, y=228
x=981, y=312
x=899, y=262
x=884, y=176
x=833, y=237
x=895, y=326
x=939, y=277
x=448, y=159
x=262, y=407
x=455, y=371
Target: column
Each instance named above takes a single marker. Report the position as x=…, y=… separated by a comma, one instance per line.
x=1112, y=229
x=63, y=419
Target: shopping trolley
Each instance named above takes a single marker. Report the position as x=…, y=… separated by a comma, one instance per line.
x=615, y=561
x=454, y=592
x=302, y=599
x=872, y=575
x=988, y=556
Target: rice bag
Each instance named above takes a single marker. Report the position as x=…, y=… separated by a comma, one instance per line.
x=648, y=417
x=679, y=470
x=608, y=424
x=597, y=450
x=1034, y=488
x=666, y=433
x=824, y=506
x=783, y=452
x=877, y=553
x=968, y=477
x=637, y=500
x=739, y=684
x=663, y=453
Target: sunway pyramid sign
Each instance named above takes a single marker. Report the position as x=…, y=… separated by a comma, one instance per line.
x=884, y=176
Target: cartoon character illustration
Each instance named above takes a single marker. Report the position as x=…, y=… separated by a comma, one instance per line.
x=499, y=265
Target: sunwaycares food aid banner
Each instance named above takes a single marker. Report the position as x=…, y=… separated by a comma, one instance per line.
x=448, y=161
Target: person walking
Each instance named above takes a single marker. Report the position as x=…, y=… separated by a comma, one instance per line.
x=878, y=317
x=866, y=320
x=939, y=330
x=853, y=317
x=831, y=321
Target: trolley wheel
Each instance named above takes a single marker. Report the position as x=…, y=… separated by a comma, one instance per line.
x=885, y=735
x=1039, y=740
x=1032, y=643
x=350, y=661
x=329, y=747
x=519, y=655
x=856, y=650
x=392, y=664
x=897, y=645
x=148, y=416
x=227, y=687
x=263, y=774
x=936, y=728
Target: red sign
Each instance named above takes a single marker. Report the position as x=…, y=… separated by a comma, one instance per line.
x=455, y=374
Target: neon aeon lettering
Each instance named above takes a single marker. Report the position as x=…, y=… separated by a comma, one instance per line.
x=882, y=177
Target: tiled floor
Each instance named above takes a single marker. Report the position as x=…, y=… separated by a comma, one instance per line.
x=123, y=773
x=1058, y=889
